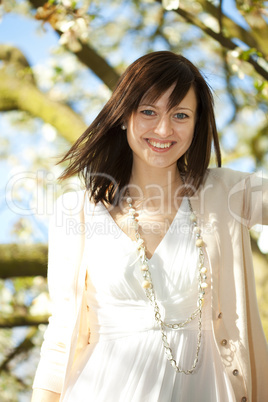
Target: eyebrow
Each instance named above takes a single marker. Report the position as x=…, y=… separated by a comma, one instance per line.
x=175, y=107
x=181, y=107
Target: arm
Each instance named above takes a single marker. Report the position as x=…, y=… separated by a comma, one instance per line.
x=65, y=247
x=258, y=211
x=256, y=208
x=256, y=200
x=247, y=197
x=248, y=204
x=42, y=395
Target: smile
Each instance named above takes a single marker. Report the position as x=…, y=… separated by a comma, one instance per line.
x=160, y=145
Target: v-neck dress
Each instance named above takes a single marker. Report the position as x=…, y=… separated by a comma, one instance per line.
x=125, y=359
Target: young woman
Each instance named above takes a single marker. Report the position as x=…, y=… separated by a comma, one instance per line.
x=150, y=267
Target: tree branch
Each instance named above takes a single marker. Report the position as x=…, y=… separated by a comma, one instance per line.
x=89, y=57
x=23, y=260
x=224, y=41
x=13, y=320
x=22, y=95
x=234, y=30
x=15, y=58
x=98, y=65
x=22, y=347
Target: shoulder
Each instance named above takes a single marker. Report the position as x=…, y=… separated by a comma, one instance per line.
x=226, y=173
x=76, y=205
x=71, y=202
x=71, y=198
x=226, y=177
x=228, y=181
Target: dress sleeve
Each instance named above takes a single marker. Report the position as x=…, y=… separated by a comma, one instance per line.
x=64, y=255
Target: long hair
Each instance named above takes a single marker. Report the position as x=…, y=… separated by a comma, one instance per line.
x=102, y=154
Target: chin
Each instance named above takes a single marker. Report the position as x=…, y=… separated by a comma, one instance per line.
x=162, y=165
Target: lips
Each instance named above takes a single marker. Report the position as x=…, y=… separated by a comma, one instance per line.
x=159, y=145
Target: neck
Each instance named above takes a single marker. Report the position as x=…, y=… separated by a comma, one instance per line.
x=155, y=188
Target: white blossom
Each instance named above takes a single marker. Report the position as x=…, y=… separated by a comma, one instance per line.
x=65, y=26
x=49, y=132
x=66, y=3
x=41, y=305
x=170, y=4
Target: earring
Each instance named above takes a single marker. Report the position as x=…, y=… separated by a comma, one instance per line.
x=123, y=127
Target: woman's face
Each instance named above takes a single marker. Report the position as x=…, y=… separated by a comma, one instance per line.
x=157, y=136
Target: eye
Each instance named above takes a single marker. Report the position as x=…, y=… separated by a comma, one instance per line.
x=181, y=116
x=147, y=112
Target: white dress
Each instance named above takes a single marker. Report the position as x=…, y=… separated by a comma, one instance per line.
x=125, y=360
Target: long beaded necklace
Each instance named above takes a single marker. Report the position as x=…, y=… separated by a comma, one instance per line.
x=148, y=287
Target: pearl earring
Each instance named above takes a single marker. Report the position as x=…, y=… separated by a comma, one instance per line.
x=123, y=127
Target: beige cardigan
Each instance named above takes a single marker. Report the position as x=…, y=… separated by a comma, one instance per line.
x=227, y=205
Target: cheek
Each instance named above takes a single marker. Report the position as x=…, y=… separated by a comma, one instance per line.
x=187, y=133
x=191, y=130
x=135, y=129
x=138, y=127
x=131, y=137
x=192, y=135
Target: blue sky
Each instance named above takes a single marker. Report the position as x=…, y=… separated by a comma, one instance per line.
x=27, y=30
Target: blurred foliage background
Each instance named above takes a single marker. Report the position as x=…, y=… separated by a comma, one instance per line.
x=45, y=107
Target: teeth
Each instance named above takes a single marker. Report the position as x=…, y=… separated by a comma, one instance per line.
x=160, y=145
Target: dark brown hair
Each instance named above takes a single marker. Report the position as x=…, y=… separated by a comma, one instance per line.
x=102, y=154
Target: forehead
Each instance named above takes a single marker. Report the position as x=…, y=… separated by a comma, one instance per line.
x=152, y=95
x=170, y=96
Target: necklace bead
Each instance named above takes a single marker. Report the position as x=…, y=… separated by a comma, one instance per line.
x=144, y=267
x=199, y=243
x=193, y=217
x=146, y=284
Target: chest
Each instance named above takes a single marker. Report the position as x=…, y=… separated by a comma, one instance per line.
x=153, y=226
x=113, y=255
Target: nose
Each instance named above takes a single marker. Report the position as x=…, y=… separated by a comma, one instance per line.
x=163, y=127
